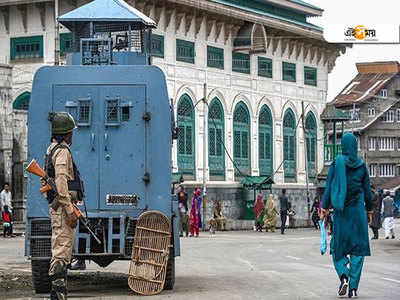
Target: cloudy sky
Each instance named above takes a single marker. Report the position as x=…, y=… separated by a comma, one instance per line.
x=357, y=12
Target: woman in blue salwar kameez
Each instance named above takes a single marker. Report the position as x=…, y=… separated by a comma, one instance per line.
x=348, y=192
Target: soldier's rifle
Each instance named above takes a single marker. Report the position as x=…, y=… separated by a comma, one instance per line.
x=35, y=169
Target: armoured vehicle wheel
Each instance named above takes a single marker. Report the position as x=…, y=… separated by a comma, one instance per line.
x=40, y=276
x=170, y=276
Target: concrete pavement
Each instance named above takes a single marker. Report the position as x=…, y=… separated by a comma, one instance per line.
x=236, y=265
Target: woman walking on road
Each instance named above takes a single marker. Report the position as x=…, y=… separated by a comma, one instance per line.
x=195, y=215
x=348, y=191
x=376, y=215
x=259, y=213
x=314, y=213
x=270, y=214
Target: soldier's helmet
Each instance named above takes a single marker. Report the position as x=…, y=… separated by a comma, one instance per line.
x=62, y=123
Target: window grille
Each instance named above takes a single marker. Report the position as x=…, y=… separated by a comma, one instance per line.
x=185, y=51
x=310, y=76
x=264, y=67
x=186, y=153
x=215, y=57
x=84, y=112
x=388, y=117
x=65, y=43
x=289, y=144
x=241, y=142
x=157, y=45
x=22, y=101
x=112, y=112
x=265, y=142
x=26, y=47
x=241, y=62
x=289, y=72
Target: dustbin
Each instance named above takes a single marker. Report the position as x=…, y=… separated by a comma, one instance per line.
x=248, y=205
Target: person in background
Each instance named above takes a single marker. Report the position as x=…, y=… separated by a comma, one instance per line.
x=219, y=217
x=259, y=212
x=195, y=216
x=270, y=214
x=387, y=212
x=284, y=203
x=376, y=222
x=291, y=215
x=5, y=197
x=315, y=212
x=7, y=222
x=348, y=192
x=183, y=212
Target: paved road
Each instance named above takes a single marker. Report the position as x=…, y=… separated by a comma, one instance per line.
x=246, y=265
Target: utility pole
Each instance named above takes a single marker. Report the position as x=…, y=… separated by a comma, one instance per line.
x=306, y=161
x=57, y=35
x=204, y=152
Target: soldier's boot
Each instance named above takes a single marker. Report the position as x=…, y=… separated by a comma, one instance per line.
x=58, y=277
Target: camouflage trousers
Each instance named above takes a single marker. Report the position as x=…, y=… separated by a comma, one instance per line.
x=62, y=238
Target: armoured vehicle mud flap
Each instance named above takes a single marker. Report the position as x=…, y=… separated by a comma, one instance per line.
x=150, y=253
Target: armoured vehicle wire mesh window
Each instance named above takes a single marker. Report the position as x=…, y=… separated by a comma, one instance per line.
x=84, y=112
x=112, y=111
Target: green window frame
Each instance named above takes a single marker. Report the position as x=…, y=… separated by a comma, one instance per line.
x=241, y=62
x=289, y=145
x=22, y=101
x=216, y=135
x=186, y=135
x=65, y=43
x=310, y=76
x=157, y=45
x=264, y=67
x=26, y=47
x=215, y=57
x=265, y=142
x=185, y=51
x=241, y=139
x=288, y=71
x=311, y=140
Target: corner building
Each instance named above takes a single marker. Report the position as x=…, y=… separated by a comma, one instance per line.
x=259, y=59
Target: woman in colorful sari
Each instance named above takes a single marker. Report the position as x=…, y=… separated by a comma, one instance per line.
x=348, y=192
x=259, y=212
x=270, y=214
x=195, y=215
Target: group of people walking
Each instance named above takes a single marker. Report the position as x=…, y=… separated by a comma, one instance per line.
x=266, y=215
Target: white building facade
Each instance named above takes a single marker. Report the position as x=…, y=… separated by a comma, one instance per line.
x=260, y=60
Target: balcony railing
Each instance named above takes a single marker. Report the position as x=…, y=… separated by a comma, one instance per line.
x=331, y=151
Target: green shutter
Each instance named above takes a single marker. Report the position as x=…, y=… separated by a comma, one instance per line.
x=216, y=153
x=186, y=153
x=264, y=67
x=311, y=138
x=241, y=62
x=215, y=57
x=65, y=43
x=265, y=161
x=26, y=47
x=157, y=45
x=241, y=141
x=289, y=72
x=289, y=145
x=310, y=76
x=185, y=51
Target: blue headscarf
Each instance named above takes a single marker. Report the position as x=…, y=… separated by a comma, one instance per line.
x=350, y=159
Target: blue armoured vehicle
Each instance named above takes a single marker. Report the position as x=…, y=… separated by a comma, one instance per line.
x=122, y=146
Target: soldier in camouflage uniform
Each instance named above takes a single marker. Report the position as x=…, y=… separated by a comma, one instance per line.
x=60, y=166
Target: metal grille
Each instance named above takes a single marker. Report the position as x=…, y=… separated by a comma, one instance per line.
x=265, y=117
x=288, y=120
x=245, y=149
x=41, y=247
x=215, y=112
x=261, y=152
x=40, y=227
x=219, y=142
x=189, y=140
x=236, y=144
x=211, y=136
x=96, y=51
x=84, y=111
x=185, y=107
x=241, y=114
x=310, y=122
x=122, y=199
x=112, y=111
x=181, y=139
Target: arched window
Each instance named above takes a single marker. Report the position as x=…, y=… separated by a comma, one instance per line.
x=186, y=153
x=311, y=139
x=289, y=145
x=216, y=153
x=22, y=101
x=265, y=154
x=241, y=139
